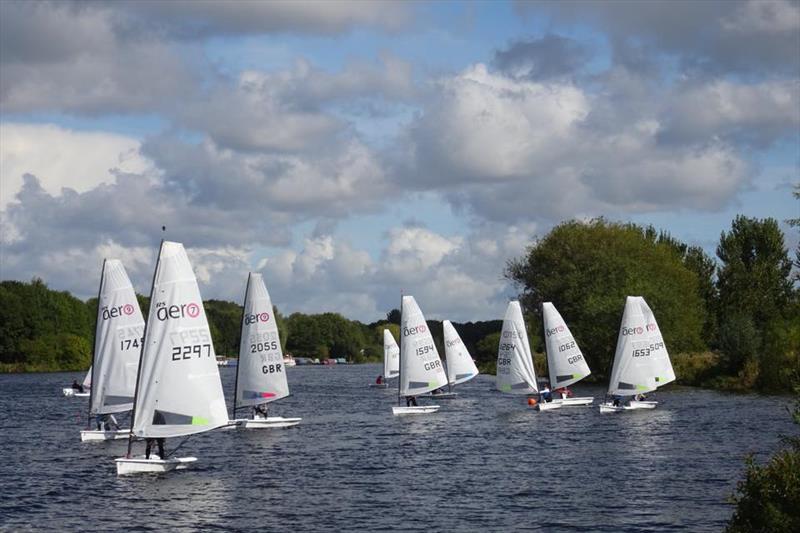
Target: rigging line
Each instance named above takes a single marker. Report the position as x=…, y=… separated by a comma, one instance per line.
x=178, y=447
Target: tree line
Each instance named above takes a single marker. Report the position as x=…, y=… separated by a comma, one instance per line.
x=733, y=321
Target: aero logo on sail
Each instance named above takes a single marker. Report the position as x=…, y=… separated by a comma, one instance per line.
x=118, y=311
x=553, y=331
x=258, y=317
x=638, y=330
x=422, y=328
x=164, y=312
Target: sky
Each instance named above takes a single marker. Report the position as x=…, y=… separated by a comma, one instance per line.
x=352, y=150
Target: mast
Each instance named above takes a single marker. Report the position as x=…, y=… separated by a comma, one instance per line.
x=400, y=355
x=241, y=339
x=544, y=346
x=94, y=344
x=141, y=349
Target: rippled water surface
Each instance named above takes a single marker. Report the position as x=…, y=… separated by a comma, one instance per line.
x=484, y=462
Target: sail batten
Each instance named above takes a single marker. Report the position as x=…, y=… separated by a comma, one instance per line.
x=515, y=372
x=421, y=367
x=261, y=372
x=179, y=389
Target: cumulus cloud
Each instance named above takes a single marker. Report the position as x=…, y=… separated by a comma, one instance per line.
x=550, y=56
x=79, y=160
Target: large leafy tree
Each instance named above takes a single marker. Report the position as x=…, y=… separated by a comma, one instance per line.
x=757, y=312
x=588, y=268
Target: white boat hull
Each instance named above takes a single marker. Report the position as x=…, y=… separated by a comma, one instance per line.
x=633, y=405
x=69, y=391
x=140, y=465
x=93, y=435
x=547, y=406
x=265, y=423
x=381, y=386
x=414, y=410
x=573, y=402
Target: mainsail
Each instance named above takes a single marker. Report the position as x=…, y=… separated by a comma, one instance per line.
x=460, y=366
x=421, y=369
x=261, y=375
x=515, y=373
x=178, y=387
x=633, y=371
x=662, y=366
x=118, y=342
x=565, y=362
x=391, y=355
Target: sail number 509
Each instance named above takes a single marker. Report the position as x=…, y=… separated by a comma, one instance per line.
x=189, y=352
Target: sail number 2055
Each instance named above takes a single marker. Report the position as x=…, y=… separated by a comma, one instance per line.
x=191, y=351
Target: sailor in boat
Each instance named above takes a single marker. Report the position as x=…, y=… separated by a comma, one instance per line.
x=438, y=391
x=545, y=395
x=107, y=423
x=260, y=411
x=77, y=386
x=616, y=400
x=411, y=401
x=564, y=392
x=149, y=445
x=379, y=380
x=640, y=397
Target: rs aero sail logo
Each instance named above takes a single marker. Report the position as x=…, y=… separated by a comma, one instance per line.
x=553, y=331
x=166, y=312
x=422, y=328
x=118, y=311
x=256, y=318
x=638, y=330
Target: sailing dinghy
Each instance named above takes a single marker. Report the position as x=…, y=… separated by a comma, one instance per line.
x=460, y=366
x=87, y=386
x=391, y=360
x=178, y=389
x=515, y=372
x=260, y=373
x=117, y=344
x=565, y=362
x=420, y=367
x=641, y=361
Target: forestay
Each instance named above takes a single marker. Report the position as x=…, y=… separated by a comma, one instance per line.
x=391, y=355
x=178, y=388
x=118, y=342
x=658, y=350
x=633, y=371
x=565, y=362
x=261, y=372
x=460, y=366
x=421, y=369
x=515, y=373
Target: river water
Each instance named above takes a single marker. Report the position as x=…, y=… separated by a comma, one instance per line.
x=485, y=462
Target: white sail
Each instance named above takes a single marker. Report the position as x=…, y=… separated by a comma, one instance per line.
x=658, y=350
x=421, y=369
x=118, y=342
x=87, y=379
x=565, y=362
x=460, y=366
x=515, y=373
x=391, y=355
x=633, y=371
x=178, y=388
x=261, y=373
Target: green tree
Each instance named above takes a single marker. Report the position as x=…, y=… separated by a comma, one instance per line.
x=588, y=268
x=756, y=299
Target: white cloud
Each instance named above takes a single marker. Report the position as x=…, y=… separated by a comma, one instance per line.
x=79, y=160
